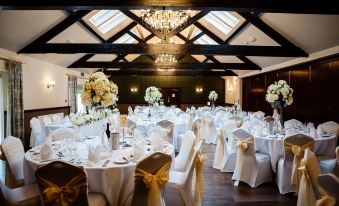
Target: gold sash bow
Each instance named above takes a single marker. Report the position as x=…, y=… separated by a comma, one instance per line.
x=196, y=129
x=242, y=146
x=199, y=185
x=63, y=195
x=154, y=183
x=298, y=152
x=308, y=195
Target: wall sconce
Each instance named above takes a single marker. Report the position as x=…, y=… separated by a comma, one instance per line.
x=198, y=90
x=50, y=84
x=134, y=89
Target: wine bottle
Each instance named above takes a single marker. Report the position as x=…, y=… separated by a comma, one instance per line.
x=108, y=132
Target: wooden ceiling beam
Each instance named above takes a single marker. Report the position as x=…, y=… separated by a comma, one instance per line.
x=277, y=6
x=189, y=49
x=154, y=65
x=173, y=73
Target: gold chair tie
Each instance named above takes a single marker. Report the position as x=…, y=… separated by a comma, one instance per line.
x=308, y=195
x=154, y=183
x=196, y=129
x=199, y=185
x=63, y=195
x=298, y=152
x=242, y=146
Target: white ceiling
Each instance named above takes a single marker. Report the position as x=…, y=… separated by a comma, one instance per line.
x=312, y=33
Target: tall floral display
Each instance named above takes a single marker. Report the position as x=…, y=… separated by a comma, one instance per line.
x=213, y=96
x=98, y=91
x=152, y=95
x=279, y=95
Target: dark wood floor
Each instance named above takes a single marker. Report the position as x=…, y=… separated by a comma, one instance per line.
x=219, y=189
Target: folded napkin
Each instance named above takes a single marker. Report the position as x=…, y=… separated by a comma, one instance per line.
x=313, y=132
x=157, y=141
x=46, y=151
x=94, y=153
x=139, y=150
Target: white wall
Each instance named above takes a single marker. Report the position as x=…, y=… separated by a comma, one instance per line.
x=232, y=90
x=36, y=74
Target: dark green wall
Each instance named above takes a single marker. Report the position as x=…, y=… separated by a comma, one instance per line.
x=187, y=85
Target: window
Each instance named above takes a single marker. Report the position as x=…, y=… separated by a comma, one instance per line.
x=205, y=40
x=81, y=108
x=222, y=20
x=105, y=20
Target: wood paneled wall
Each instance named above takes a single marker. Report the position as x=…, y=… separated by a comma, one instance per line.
x=315, y=85
x=29, y=114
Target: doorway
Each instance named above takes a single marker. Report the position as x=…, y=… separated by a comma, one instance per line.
x=171, y=96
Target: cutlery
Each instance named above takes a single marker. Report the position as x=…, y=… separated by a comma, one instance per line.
x=106, y=163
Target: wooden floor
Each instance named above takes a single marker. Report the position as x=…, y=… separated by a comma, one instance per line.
x=219, y=189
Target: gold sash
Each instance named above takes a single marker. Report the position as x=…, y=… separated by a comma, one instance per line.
x=298, y=152
x=308, y=195
x=63, y=195
x=199, y=185
x=154, y=183
x=196, y=129
x=325, y=199
x=242, y=146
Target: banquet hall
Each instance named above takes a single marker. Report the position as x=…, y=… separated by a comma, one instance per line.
x=166, y=102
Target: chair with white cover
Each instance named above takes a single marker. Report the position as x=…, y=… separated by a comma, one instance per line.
x=61, y=183
x=169, y=127
x=259, y=114
x=308, y=192
x=72, y=116
x=327, y=164
x=288, y=176
x=151, y=176
x=292, y=123
x=28, y=195
x=328, y=186
x=131, y=124
x=230, y=154
x=185, y=152
x=46, y=120
x=238, y=120
x=35, y=139
x=209, y=130
x=330, y=127
x=62, y=133
x=14, y=154
x=219, y=150
x=251, y=167
x=186, y=187
x=56, y=119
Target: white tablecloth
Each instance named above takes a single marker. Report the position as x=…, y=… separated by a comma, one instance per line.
x=274, y=146
x=115, y=181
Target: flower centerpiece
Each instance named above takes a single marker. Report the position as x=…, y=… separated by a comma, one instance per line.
x=89, y=118
x=98, y=91
x=236, y=108
x=213, y=96
x=279, y=95
x=152, y=95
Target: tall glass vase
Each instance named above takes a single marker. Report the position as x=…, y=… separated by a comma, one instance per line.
x=212, y=104
x=278, y=115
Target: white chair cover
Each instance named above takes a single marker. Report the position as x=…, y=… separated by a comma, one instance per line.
x=292, y=123
x=35, y=139
x=46, y=120
x=230, y=153
x=259, y=114
x=308, y=189
x=330, y=127
x=328, y=164
x=186, y=152
x=252, y=168
x=169, y=127
x=209, y=130
x=328, y=187
x=56, y=119
x=62, y=133
x=288, y=165
x=14, y=152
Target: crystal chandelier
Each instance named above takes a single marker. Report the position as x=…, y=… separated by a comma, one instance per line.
x=166, y=58
x=164, y=22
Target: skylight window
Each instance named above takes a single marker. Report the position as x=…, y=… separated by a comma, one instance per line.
x=105, y=20
x=205, y=40
x=125, y=39
x=222, y=20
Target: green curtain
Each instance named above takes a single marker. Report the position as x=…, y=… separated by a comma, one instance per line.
x=72, y=91
x=15, y=110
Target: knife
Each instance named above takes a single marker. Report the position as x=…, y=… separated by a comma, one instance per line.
x=106, y=163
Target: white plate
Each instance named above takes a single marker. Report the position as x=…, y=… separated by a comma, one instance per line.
x=120, y=161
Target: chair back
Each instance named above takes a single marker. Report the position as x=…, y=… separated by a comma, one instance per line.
x=144, y=189
x=330, y=184
x=245, y=137
x=259, y=114
x=35, y=124
x=56, y=119
x=185, y=152
x=14, y=153
x=46, y=120
x=169, y=127
x=3, y=191
x=61, y=183
x=238, y=120
x=331, y=127
x=62, y=133
x=292, y=123
x=227, y=128
x=299, y=140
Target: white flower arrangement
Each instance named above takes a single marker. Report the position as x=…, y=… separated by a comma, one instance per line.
x=213, y=96
x=279, y=94
x=236, y=108
x=89, y=118
x=152, y=94
x=99, y=91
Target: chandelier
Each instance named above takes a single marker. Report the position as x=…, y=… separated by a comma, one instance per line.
x=164, y=22
x=166, y=58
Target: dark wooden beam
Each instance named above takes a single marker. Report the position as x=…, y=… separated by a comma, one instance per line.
x=153, y=65
x=57, y=29
x=188, y=49
x=276, y=36
x=277, y=6
x=236, y=32
x=173, y=73
x=190, y=21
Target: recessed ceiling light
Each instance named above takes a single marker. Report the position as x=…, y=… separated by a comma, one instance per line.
x=218, y=70
x=113, y=69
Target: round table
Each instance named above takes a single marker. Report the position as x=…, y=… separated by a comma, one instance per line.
x=115, y=180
